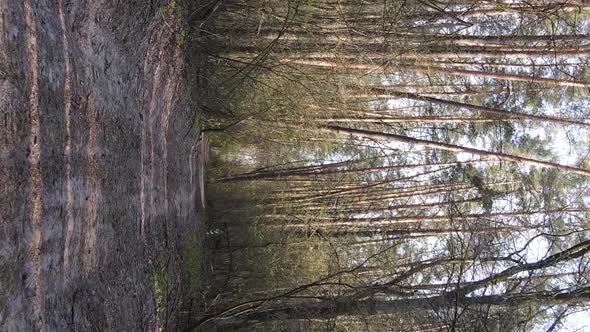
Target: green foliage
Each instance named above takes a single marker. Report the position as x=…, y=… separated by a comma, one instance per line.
x=182, y=37
x=533, y=146
x=172, y=9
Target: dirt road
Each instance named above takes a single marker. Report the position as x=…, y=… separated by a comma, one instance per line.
x=97, y=174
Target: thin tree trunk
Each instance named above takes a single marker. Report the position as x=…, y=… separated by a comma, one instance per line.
x=385, y=221
x=457, y=148
x=419, y=119
x=488, y=110
x=329, y=169
x=441, y=70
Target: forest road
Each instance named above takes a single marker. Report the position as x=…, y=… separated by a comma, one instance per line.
x=97, y=174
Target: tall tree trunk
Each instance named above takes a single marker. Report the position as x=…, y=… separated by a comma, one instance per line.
x=329, y=169
x=335, y=307
x=483, y=109
x=441, y=70
x=457, y=148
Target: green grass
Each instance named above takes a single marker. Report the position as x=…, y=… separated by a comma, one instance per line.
x=161, y=287
x=178, y=282
x=192, y=258
x=172, y=11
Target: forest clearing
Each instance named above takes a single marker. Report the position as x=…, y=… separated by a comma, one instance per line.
x=295, y=165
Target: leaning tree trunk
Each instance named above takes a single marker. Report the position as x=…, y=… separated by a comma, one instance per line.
x=458, y=148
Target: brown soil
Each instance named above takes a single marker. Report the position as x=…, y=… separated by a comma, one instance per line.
x=98, y=176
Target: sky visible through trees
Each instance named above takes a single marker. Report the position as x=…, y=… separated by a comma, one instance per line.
x=399, y=166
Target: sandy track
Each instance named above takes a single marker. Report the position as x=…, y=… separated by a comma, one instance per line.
x=96, y=177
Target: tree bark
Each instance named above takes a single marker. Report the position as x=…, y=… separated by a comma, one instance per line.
x=441, y=70
x=457, y=148
x=488, y=110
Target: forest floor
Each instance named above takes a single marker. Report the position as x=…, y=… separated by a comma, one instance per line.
x=99, y=165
